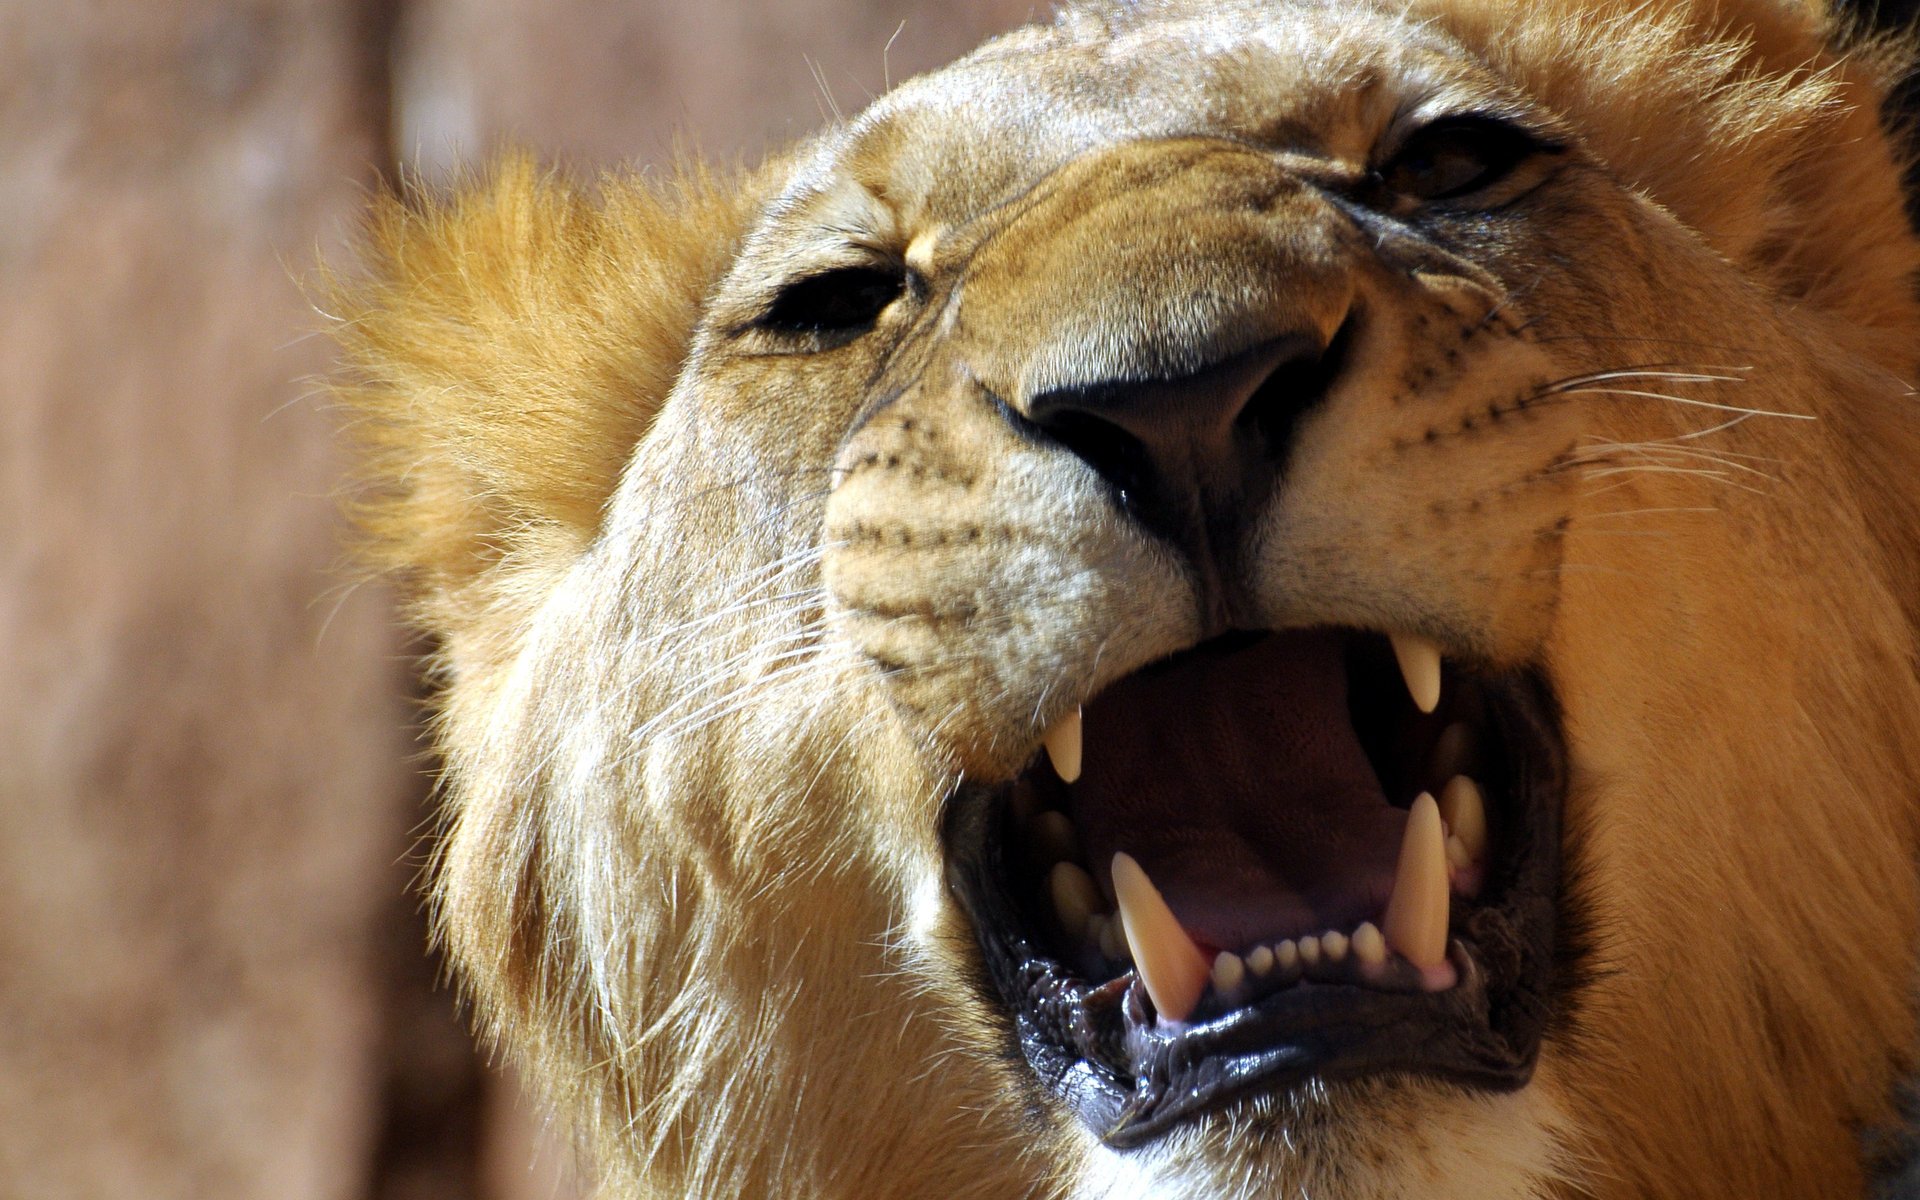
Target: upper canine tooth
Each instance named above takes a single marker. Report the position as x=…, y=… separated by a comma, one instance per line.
x=1171, y=967
x=1420, y=667
x=1464, y=808
x=1063, y=744
x=1415, y=923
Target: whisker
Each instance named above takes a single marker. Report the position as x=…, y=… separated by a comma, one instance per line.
x=1642, y=512
x=1735, y=408
x=1604, y=452
x=1720, y=428
x=1680, y=372
x=1654, y=469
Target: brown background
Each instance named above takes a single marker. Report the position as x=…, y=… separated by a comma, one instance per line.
x=212, y=974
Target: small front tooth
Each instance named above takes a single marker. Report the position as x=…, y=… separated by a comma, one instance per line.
x=1420, y=666
x=1171, y=967
x=1464, y=809
x=1453, y=752
x=1076, y=898
x=1415, y=924
x=1333, y=944
x=1369, y=946
x=1113, y=940
x=1286, y=954
x=1053, y=837
x=1260, y=960
x=1457, y=856
x=1229, y=971
x=1064, y=743
x=1310, y=950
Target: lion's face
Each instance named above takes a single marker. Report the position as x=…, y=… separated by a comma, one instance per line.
x=1248, y=600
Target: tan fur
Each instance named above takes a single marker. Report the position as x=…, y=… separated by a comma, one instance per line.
x=689, y=868
x=510, y=349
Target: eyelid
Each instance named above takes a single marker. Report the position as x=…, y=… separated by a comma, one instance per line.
x=1493, y=147
x=890, y=272
x=1426, y=119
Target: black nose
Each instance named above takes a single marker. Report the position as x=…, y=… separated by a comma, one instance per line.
x=1190, y=456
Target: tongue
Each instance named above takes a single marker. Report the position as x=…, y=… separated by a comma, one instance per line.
x=1233, y=774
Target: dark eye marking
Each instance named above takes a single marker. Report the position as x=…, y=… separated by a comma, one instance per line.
x=837, y=301
x=1457, y=156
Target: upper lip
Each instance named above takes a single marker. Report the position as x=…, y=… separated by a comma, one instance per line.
x=1130, y=1076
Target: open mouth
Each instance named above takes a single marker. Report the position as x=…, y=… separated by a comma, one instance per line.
x=1274, y=857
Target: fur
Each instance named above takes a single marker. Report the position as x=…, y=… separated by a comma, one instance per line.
x=689, y=869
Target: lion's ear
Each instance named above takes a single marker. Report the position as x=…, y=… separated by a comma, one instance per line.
x=508, y=345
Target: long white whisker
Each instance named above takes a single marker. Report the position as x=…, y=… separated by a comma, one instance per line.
x=1653, y=371
x=1652, y=469
x=1735, y=408
x=1611, y=452
x=1642, y=512
x=1720, y=428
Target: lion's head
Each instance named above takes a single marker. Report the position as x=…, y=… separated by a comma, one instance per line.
x=1218, y=599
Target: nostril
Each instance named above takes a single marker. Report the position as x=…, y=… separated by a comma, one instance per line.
x=1293, y=387
x=1118, y=456
x=1204, y=438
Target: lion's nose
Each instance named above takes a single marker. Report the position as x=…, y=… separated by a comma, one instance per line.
x=1191, y=453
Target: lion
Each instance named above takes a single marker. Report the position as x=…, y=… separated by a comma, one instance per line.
x=1302, y=598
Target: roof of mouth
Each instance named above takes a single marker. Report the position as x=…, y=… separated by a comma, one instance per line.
x=1235, y=776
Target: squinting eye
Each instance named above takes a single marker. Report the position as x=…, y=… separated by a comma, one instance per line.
x=833, y=301
x=1452, y=158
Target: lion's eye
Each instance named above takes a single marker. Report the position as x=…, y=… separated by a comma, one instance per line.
x=840, y=300
x=1455, y=157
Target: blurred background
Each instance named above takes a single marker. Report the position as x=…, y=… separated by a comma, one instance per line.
x=213, y=974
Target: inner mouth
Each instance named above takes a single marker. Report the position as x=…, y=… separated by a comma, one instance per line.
x=1271, y=858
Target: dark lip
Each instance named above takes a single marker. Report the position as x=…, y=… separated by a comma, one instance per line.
x=1129, y=1080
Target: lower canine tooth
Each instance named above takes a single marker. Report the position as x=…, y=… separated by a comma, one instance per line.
x=1171, y=967
x=1420, y=667
x=1064, y=744
x=1076, y=898
x=1464, y=808
x=1415, y=924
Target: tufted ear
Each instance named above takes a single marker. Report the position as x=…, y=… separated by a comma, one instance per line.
x=508, y=344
